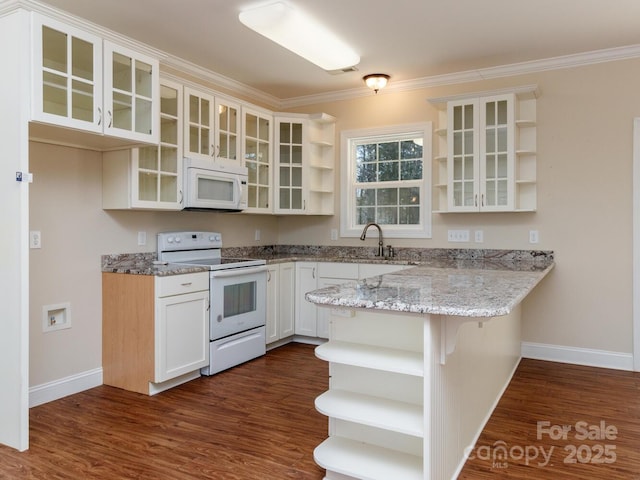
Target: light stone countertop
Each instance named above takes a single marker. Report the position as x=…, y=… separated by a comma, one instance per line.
x=442, y=290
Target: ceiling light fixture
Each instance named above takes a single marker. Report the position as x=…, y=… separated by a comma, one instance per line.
x=376, y=81
x=300, y=33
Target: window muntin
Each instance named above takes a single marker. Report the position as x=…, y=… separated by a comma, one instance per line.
x=387, y=181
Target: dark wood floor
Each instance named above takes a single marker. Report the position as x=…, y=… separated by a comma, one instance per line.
x=257, y=421
x=601, y=407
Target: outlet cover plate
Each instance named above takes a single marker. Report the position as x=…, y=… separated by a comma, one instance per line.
x=458, y=235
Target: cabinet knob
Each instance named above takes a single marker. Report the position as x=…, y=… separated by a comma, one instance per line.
x=219, y=319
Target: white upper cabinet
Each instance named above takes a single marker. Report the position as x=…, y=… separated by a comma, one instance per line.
x=211, y=127
x=149, y=177
x=486, y=153
x=131, y=94
x=304, y=164
x=82, y=82
x=67, y=76
x=257, y=128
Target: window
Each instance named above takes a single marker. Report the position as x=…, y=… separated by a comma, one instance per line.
x=385, y=179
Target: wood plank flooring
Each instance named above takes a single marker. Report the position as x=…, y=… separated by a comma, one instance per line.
x=590, y=426
x=257, y=422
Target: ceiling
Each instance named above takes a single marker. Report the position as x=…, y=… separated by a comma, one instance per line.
x=407, y=39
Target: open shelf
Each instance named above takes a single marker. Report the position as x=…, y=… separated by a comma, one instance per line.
x=361, y=460
x=370, y=356
x=377, y=412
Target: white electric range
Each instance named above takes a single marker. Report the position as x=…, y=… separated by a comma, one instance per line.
x=237, y=291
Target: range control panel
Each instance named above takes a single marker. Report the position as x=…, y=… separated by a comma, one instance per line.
x=171, y=241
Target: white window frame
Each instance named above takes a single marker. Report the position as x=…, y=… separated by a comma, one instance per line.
x=348, y=138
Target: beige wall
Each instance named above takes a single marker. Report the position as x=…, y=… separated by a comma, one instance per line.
x=584, y=214
x=66, y=207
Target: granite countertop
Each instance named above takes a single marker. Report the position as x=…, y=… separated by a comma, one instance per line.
x=144, y=264
x=460, y=290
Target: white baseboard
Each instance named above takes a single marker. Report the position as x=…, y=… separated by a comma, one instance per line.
x=578, y=356
x=50, y=391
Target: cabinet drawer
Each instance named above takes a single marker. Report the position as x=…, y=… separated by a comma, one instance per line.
x=179, y=284
x=338, y=270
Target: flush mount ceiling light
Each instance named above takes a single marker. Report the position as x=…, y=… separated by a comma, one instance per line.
x=300, y=33
x=376, y=81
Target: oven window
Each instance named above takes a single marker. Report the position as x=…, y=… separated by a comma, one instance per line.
x=239, y=298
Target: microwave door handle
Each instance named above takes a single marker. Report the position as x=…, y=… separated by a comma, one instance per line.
x=236, y=272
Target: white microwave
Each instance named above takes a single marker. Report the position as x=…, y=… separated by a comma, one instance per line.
x=211, y=186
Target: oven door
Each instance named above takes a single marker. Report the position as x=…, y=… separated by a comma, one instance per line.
x=238, y=300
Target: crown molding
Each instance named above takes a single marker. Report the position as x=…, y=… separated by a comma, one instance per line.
x=209, y=76
x=514, y=69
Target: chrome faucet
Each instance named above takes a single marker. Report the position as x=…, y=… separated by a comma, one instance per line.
x=364, y=234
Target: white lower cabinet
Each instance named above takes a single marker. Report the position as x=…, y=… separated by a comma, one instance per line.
x=306, y=312
x=280, y=301
x=155, y=330
x=182, y=325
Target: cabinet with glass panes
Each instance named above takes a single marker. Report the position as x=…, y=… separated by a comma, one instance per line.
x=486, y=155
x=211, y=127
x=305, y=164
x=149, y=177
x=85, y=83
x=257, y=136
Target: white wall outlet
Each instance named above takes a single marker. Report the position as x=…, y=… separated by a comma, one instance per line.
x=35, y=239
x=334, y=234
x=257, y=235
x=458, y=235
x=534, y=237
x=479, y=236
x=142, y=238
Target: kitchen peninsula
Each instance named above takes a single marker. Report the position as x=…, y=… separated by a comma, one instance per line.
x=418, y=360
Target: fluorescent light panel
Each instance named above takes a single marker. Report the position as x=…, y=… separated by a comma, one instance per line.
x=301, y=34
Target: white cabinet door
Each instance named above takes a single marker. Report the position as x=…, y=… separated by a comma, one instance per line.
x=286, y=302
x=290, y=140
x=67, y=76
x=198, y=124
x=273, y=292
x=257, y=134
x=227, y=131
x=182, y=335
x=306, y=281
x=131, y=94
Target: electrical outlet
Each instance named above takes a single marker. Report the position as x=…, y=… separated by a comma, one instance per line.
x=334, y=234
x=458, y=235
x=534, y=237
x=478, y=236
x=257, y=235
x=142, y=238
x=35, y=239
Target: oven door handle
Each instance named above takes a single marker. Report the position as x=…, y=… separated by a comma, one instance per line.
x=237, y=272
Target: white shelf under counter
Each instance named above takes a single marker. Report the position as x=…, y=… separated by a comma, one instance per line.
x=372, y=356
x=377, y=412
x=371, y=462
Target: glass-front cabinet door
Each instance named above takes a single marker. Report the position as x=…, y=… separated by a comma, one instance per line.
x=497, y=145
x=131, y=94
x=198, y=125
x=463, y=155
x=257, y=128
x=67, y=75
x=227, y=130
x=289, y=172
x=481, y=154
x=158, y=170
